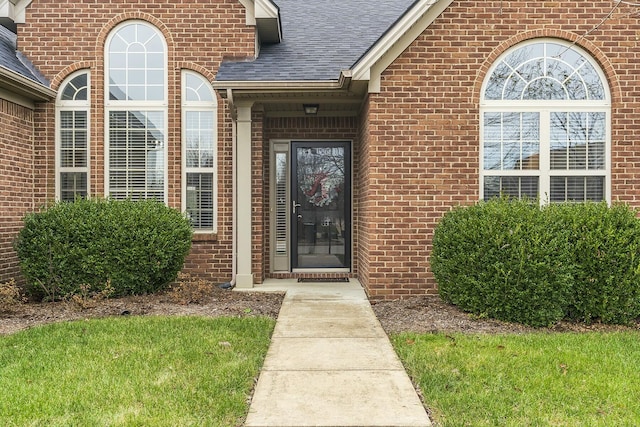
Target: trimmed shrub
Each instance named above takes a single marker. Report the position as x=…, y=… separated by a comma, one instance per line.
x=501, y=259
x=605, y=243
x=136, y=247
x=513, y=261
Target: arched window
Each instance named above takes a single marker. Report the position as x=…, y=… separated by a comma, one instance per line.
x=136, y=110
x=545, y=125
x=72, y=137
x=199, y=137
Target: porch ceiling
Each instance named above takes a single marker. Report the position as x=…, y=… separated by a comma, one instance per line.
x=291, y=103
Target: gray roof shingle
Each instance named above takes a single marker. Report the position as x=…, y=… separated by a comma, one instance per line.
x=320, y=39
x=15, y=61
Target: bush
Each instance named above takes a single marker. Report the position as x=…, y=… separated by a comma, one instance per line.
x=605, y=243
x=135, y=247
x=513, y=261
x=499, y=259
x=10, y=296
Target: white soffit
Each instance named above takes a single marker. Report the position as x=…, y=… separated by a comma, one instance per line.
x=14, y=10
x=265, y=15
x=398, y=38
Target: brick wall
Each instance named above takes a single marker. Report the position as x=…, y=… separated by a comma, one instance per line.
x=420, y=153
x=61, y=37
x=416, y=143
x=16, y=181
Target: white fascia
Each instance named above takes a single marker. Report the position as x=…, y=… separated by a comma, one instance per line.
x=396, y=40
x=23, y=86
x=14, y=10
x=265, y=16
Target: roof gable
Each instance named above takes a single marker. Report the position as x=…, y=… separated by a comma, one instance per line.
x=320, y=39
x=396, y=40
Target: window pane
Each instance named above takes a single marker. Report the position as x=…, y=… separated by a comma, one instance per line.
x=72, y=185
x=596, y=155
x=200, y=200
x=559, y=140
x=156, y=60
x=511, y=141
x=545, y=71
x=577, y=141
x=530, y=141
x=592, y=81
x=514, y=87
x=136, y=155
x=576, y=87
x=597, y=141
x=76, y=89
x=73, y=139
x=512, y=186
x=497, y=82
x=197, y=88
x=137, y=59
x=80, y=119
x=543, y=89
x=66, y=119
x=66, y=139
x=155, y=77
x=199, y=137
x=577, y=188
x=595, y=188
x=80, y=137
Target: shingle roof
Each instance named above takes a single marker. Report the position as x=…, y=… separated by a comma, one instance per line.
x=15, y=61
x=320, y=39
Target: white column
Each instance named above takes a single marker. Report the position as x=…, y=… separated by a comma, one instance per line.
x=243, y=208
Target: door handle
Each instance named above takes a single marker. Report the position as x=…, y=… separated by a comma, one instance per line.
x=295, y=205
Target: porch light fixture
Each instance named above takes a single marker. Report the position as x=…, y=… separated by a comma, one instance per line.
x=311, y=109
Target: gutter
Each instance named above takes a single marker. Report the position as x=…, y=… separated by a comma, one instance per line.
x=21, y=85
x=279, y=86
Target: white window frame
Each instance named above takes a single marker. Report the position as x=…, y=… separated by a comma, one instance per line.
x=72, y=105
x=200, y=106
x=545, y=108
x=135, y=105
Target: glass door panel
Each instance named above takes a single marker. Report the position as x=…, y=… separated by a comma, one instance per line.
x=321, y=205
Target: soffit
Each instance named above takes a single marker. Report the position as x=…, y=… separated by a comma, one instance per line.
x=290, y=104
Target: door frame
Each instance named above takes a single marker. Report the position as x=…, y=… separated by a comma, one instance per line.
x=281, y=260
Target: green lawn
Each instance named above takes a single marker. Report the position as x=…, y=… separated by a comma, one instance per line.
x=540, y=379
x=132, y=371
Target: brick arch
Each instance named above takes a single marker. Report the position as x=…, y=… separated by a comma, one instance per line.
x=67, y=71
x=207, y=74
x=596, y=54
x=130, y=16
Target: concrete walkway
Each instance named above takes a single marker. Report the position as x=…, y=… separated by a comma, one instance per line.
x=331, y=364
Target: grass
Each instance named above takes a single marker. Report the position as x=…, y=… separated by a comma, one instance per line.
x=132, y=371
x=534, y=379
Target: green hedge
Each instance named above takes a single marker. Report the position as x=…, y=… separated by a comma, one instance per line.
x=511, y=260
x=136, y=246
x=605, y=249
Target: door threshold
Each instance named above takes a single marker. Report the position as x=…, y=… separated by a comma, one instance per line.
x=321, y=270
x=323, y=280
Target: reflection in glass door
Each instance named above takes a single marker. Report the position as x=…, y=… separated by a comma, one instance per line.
x=321, y=205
